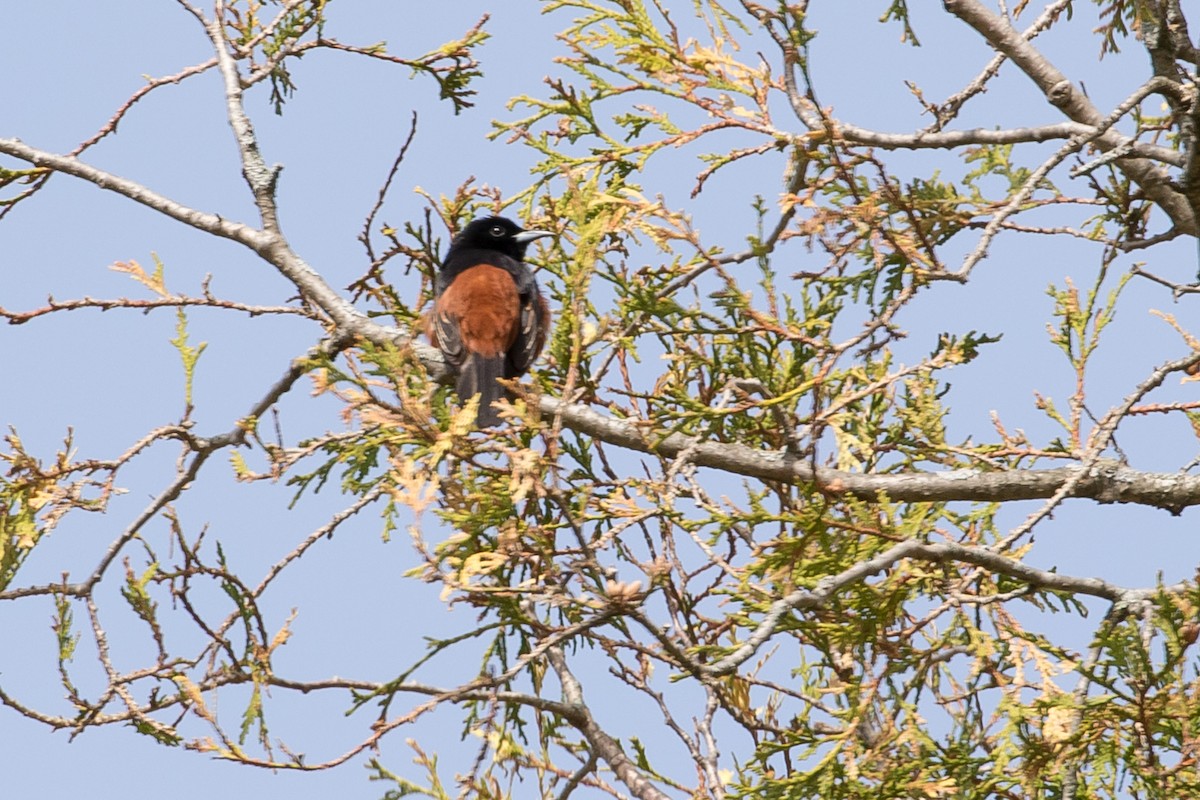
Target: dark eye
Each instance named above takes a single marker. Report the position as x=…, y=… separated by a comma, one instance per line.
x=498, y=231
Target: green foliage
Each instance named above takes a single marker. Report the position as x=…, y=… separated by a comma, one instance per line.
x=743, y=349
x=273, y=32
x=187, y=354
x=21, y=176
x=249, y=28
x=1080, y=325
x=996, y=160
x=34, y=497
x=1120, y=19
x=898, y=11
x=407, y=788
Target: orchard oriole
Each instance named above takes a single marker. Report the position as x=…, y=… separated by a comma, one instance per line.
x=489, y=318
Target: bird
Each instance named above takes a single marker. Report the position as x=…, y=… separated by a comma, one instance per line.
x=489, y=317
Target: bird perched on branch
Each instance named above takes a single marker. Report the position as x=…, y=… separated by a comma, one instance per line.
x=489, y=318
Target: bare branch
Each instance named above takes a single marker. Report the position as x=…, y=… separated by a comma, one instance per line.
x=941, y=140
x=953, y=104
x=1177, y=289
x=604, y=746
x=202, y=449
x=270, y=245
x=200, y=220
x=176, y=301
x=365, y=235
x=1073, y=103
x=260, y=178
x=110, y=127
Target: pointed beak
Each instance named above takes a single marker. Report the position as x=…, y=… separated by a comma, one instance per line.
x=525, y=237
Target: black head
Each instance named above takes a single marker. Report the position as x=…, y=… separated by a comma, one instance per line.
x=496, y=233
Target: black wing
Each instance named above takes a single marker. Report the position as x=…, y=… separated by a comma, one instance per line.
x=532, y=325
x=449, y=338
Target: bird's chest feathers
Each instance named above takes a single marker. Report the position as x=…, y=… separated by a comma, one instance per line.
x=486, y=304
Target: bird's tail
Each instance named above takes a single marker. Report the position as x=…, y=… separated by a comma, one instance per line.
x=477, y=376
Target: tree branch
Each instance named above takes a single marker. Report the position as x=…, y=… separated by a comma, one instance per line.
x=1106, y=481
x=604, y=746
x=948, y=551
x=944, y=140
x=949, y=109
x=200, y=220
x=270, y=245
x=1073, y=103
x=1073, y=144
x=260, y=178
